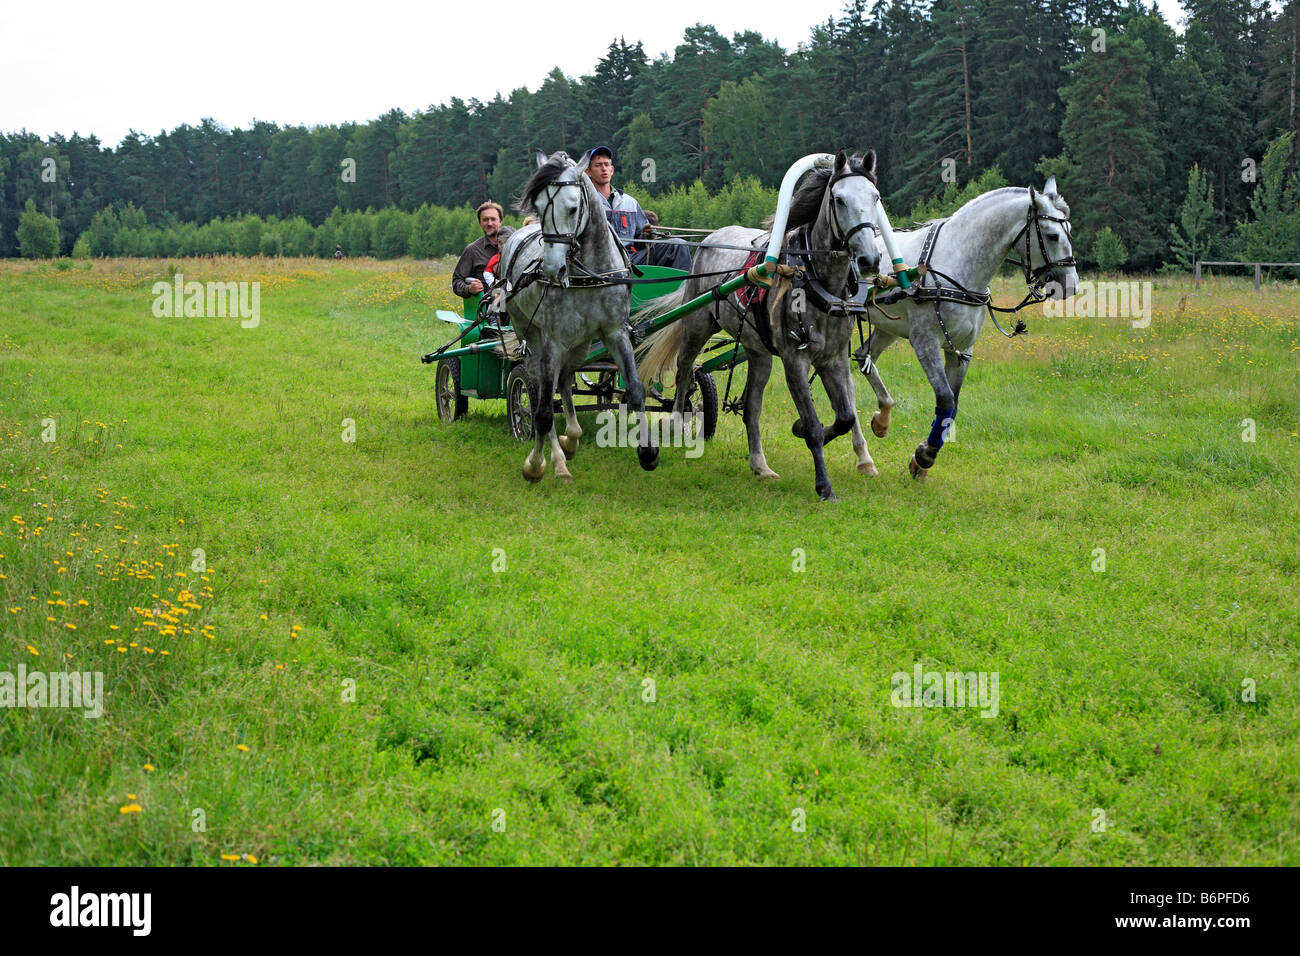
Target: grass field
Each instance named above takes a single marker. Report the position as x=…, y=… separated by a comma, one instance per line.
x=345, y=678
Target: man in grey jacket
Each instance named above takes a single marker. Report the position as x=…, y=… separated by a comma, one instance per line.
x=628, y=219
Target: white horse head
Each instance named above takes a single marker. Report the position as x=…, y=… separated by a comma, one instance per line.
x=557, y=195
x=853, y=200
x=1052, y=222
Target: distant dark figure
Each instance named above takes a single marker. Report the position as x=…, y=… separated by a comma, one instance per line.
x=338, y=252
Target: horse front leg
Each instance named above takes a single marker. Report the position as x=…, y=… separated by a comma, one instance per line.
x=929, y=352
x=841, y=424
x=542, y=396
x=647, y=452
x=572, y=430
x=838, y=382
x=884, y=401
x=535, y=463
x=809, y=426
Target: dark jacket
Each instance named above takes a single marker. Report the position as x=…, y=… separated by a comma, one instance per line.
x=473, y=259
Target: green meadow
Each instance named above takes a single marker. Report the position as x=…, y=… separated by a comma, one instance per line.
x=392, y=650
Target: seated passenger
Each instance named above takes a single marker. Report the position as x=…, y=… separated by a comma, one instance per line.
x=467, y=279
x=629, y=219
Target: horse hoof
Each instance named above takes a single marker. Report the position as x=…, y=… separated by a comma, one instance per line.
x=767, y=475
x=829, y=496
x=917, y=471
x=869, y=469
x=570, y=446
x=564, y=477
x=649, y=457
x=531, y=477
x=877, y=428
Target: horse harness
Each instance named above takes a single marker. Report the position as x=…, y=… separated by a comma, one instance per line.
x=955, y=292
x=587, y=278
x=804, y=277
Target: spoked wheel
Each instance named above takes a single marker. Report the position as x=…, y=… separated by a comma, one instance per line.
x=451, y=403
x=703, y=398
x=519, y=403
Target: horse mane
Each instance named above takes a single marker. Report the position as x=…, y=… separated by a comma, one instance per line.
x=546, y=174
x=806, y=202
x=1057, y=202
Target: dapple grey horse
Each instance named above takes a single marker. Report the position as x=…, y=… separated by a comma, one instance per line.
x=560, y=298
x=961, y=254
x=835, y=208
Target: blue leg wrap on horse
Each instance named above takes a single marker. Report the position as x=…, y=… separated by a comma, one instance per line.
x=942, y=418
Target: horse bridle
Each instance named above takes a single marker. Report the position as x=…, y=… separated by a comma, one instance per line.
x=844, y=237
x=569, y=239
x=1034, y=277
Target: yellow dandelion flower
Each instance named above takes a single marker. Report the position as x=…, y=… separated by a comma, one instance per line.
x=250, y=858
x=233, y=858
x=131, y=808
x=33, y=651
x=241, y=747
x=149, y=767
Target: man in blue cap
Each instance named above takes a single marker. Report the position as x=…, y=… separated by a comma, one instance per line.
x=629, y=219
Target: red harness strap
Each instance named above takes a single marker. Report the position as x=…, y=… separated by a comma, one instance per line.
x=751, y=294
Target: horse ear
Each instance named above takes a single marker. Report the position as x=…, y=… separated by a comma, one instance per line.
x=841, y=159
x=584, y=162
x=869, y=162
x=1050, y=188
x=541, y=159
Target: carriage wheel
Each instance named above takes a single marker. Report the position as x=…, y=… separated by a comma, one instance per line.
x=703, y=397
x=708, y=401
x=519, y=403
x=451, y=403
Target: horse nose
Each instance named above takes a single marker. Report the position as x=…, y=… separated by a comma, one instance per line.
x=867, y=265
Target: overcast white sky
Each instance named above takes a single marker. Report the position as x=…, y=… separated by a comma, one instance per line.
x=105, y=68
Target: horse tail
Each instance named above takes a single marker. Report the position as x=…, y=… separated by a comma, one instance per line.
x=658, y=353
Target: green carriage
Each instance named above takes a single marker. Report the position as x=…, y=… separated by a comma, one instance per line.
x=487, y=366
